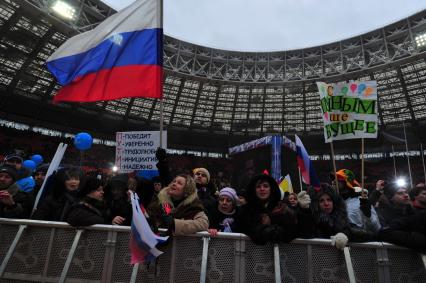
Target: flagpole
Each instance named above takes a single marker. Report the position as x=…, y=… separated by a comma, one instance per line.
x=362, y=168
x=334, y=167
x=161, y=99
x=394, y=161
x=423, y=162
x=300, y=179
x=408, y=158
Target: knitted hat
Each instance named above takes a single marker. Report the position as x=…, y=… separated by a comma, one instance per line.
x=229, y=192
x=13, y=156
x=349, y=177
x=204, y=171
x=9, y=170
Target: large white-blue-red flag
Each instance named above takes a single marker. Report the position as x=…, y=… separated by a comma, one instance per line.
x=121, y=57
x=142, y=239
x=309, y=176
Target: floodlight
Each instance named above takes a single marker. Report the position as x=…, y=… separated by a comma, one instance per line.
x=64, y=9
x=114, y=168
x=421, y=40
x=400, y=182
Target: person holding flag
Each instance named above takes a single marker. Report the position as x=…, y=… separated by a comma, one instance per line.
x=178, y=208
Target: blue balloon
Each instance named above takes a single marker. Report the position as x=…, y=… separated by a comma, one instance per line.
x=83, y=141
x=37, y=158
x=29, y=164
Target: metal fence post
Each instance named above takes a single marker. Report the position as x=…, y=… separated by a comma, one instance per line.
x=173, y=261
x=277, y=265
x=349, y=265
x=383, y=265
x=135, y=270
x=48, y=253
x=70, y=256
x=11, y=249
x=109, y=256
x=204, y=259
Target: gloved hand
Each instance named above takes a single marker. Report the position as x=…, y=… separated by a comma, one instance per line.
x=339, y=241
x=161, y=154
x=304, y=199
x=272, y=233
x=365, y=206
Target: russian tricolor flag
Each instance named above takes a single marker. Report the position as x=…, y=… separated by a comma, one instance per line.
x=142, y=239
x=309, y=176
x=121, y=57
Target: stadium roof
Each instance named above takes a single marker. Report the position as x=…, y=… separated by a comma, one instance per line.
x=217, y=97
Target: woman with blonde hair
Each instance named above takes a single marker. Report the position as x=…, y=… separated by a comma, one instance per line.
x=178, y=208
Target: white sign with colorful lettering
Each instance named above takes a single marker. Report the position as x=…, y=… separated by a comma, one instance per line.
x=135, y=151
x=349, y=110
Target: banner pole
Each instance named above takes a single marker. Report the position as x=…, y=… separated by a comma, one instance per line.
x=362, y=168
x=394, y=161
x=160, y=10
x=336, y=183
x=300, y=179
x=408, y=157
x=423, y=162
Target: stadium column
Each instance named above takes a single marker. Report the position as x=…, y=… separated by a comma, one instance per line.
x=304, y=106
x=213, y=124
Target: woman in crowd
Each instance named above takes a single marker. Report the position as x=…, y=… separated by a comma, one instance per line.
x=178, y=208
x=325, y=218
x=61, y=189
x=223, y=218
x=91, y=208
x=264, y=218
x=117, y=200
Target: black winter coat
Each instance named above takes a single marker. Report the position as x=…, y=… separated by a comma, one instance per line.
x=87, y=212
x=283, y=226
x=23, y=204
x=54, y=208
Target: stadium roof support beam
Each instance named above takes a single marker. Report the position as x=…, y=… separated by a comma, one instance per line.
x=237, y=89
x=304, y=106
x=215, y=107
x=263, y=110
x=248, y=109
x=178, y=95
x=404, y=89
x=379, y=109
x=197, y=100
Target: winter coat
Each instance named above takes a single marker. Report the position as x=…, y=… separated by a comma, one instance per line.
x=222, y=222
x=23, y=204
x=409, y=231
x=313, y=223
x=283, y=226
x=54, y=208
x=86, y=212
x=188, y=214
x=391, y=212
x=205, y=194
x=358, y=219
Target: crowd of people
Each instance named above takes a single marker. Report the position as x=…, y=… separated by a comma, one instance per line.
x=187, y=203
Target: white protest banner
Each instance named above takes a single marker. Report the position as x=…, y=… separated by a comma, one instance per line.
x=136, y=150
x=349, y=110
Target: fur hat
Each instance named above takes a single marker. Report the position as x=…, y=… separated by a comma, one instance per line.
x=9, y=170
x=347, y=176
x=229, y=192
x=204, y=171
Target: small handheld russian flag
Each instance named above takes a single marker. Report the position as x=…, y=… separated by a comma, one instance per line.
x=142, y=239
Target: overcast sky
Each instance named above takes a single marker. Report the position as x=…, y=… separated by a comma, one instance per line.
x=276, y=25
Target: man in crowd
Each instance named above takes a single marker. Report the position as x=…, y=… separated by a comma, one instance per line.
x=13, y=203
x=418, y=197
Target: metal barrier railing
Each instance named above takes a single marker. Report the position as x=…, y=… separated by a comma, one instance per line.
x=43, y=251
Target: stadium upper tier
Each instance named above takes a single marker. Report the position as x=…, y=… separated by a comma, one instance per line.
x=211, y=91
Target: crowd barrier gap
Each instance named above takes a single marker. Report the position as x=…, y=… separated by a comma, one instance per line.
x=44, y=251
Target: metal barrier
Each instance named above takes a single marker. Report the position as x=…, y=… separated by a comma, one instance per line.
x=42, y=251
